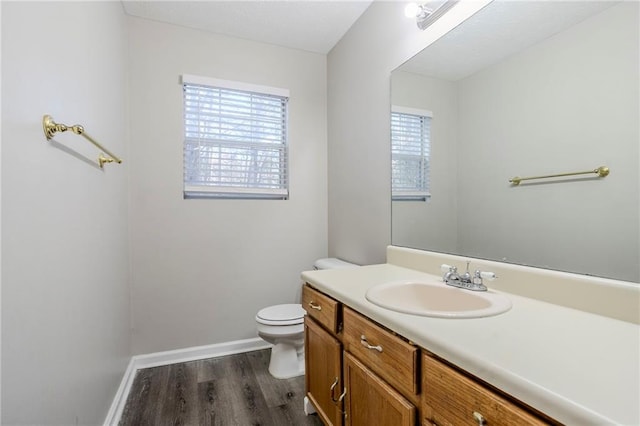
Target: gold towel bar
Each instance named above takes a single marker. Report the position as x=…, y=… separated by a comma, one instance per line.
x=601, y=171
x=50, y=128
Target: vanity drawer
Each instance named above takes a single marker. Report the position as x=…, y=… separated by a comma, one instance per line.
x=321, y=308
x=389, y=356
x=451, y=398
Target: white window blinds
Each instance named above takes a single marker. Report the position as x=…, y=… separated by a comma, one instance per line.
x=235, y=140
x=410, y=144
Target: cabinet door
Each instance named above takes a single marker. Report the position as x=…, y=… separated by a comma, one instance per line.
x=323, y=378
x=371, y=401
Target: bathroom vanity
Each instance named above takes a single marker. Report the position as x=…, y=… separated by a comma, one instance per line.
x=383, y=374
x=538, y=363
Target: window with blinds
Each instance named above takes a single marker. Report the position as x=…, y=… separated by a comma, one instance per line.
x=410, y=144
x=235, y=140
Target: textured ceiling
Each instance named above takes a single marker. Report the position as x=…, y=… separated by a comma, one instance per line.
x=315, y=26
x=499, y=30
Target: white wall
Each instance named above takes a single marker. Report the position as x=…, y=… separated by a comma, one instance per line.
x=359, y=69
x=203, y=268
x=65, y=300
x=534, y=111
x=431, y=225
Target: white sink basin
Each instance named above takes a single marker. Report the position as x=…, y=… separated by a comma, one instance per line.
x=436, y=299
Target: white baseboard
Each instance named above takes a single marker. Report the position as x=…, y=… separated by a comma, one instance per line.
x=173, y=357
x=120, y=399
x=199, y=352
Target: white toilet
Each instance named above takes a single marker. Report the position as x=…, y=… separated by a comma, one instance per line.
x=283, y=326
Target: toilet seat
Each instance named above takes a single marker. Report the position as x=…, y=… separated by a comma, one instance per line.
x=287, y=314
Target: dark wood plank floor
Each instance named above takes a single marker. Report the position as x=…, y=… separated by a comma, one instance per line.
x=235, y=390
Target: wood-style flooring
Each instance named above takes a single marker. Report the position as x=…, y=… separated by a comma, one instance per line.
x=234, y=390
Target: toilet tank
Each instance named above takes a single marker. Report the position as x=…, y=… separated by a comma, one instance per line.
x=332, y=263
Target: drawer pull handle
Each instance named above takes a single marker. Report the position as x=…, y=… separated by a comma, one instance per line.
x=333, y=386
x=479, y=418
x=366, y=344
x=314, y=306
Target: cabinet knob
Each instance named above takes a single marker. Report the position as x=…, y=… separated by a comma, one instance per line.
x=366, y=344
x=314, y=306
x=479, y=418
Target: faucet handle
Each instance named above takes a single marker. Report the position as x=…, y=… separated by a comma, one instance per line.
x=448, y=268
x=488, y=275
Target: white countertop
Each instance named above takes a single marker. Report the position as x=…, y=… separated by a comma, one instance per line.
x=577, y=367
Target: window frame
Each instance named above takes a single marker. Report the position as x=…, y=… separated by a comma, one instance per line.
x=421, y=191
x=236, y=190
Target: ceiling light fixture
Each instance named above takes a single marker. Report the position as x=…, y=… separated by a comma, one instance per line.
x=427, y=13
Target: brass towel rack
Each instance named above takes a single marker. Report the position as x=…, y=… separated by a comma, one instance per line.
x=601, y=171
x=50, y=128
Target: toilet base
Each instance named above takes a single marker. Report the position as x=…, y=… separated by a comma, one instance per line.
x=286, y=361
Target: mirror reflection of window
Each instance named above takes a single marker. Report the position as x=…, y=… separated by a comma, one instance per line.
x=410, y=146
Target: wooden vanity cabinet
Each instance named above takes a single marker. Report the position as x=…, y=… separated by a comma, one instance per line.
x=450, y=398
x=359, y=373
x=323, y=355
x=352, y=383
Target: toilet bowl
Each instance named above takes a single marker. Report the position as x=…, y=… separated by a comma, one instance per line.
x=283, y=327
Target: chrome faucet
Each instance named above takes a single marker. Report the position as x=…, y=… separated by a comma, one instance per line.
x=466, y=281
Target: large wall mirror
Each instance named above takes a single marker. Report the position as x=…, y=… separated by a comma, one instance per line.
x=529, y=88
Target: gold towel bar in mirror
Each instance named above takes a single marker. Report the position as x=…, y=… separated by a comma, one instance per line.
x=601, y=171
x=50, y=128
